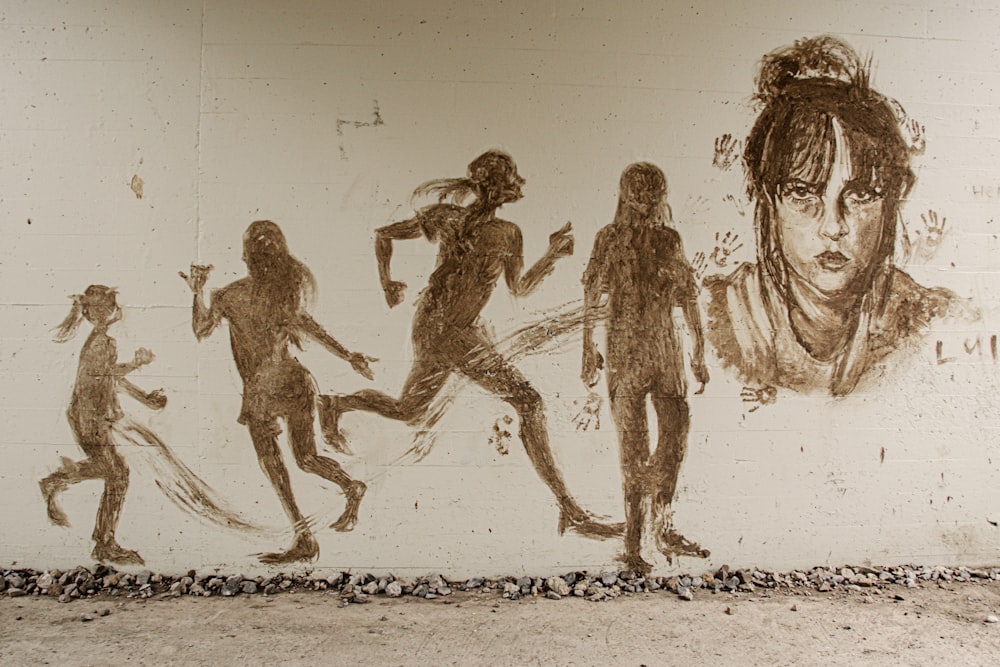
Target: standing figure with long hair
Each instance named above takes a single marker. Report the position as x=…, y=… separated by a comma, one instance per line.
x=638, y=263
x=829, y=168
x=475, y=249
x=266, y=312
x=93, y=412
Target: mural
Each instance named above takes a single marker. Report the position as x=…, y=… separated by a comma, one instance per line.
x=266, y=313
x=824, y=307
x=638, y=263
x=828, y=167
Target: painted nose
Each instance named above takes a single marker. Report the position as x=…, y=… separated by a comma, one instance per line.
x=832, y=224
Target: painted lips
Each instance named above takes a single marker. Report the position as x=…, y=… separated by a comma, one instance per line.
x=832, y=261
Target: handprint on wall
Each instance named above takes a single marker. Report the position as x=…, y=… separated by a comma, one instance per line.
x=725, y=246
x=727, y=152
x=929, y=235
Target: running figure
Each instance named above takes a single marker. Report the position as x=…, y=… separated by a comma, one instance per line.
x=266, y=312
x=93, y=412
x=638, y=262
x=475, y=249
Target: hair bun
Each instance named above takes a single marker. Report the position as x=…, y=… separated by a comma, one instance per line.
x=822, y=57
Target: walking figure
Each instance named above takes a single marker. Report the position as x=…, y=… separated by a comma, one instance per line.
x=639, y=264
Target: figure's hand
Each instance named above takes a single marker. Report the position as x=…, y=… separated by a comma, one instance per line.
x=934, y=227
x=156, y=399
x=561, y=241
x=359, y=362
x=198, y=277
x=700, y=372
x=593, y=362
x=143, y=356
x=394, y=292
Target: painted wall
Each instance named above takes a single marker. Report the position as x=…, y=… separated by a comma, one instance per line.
x=142, y=137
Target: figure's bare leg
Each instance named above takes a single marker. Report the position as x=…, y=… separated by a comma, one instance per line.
x=265, y=441
x=673, y=420
x=422, y=385
x=628, y=407
x=303, y=443
x=489, y=370
x=106, y=463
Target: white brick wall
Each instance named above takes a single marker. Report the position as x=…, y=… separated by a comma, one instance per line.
x=228, y=111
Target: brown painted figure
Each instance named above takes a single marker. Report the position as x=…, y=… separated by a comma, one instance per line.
x=475, y=249
x=829, y=168
x=266, y=312
x=639, y=265
x=93, y=412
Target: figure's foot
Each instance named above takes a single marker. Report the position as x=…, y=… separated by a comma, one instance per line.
x=588, y=525
x=304, y=548
x=329, y=423
x=635, y=563
x=50, y=489
x=671, y=543
x=112, y=552
x=354, y=492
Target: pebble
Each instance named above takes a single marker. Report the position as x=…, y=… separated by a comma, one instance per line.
x=371, y=588
x=249, y=587
x=992, y=619
x=558, y=586
x=393, y=589
x=86, y=618
x=685, y=593
x=475, y=582
x=609, y=578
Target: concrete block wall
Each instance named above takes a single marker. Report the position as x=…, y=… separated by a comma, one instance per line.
x=141, y=137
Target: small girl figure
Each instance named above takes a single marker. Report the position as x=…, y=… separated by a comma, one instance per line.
x=93, y=411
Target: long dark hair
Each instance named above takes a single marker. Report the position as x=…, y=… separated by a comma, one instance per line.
x=802, y=90
x=283, y=287
x=486, y=177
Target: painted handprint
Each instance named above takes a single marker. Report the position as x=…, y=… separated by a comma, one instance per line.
x=700, y=264
x=590, y=414
x=501, y=435
x=758, y=396
x=930, y=234
x=726, y=152
x=739, y=202
x=724, y=247
x=918, y=142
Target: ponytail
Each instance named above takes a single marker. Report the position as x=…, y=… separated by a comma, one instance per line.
x=68, y=327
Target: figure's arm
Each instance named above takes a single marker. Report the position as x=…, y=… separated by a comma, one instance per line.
x=384, y=236
x=203, y=319
x=560, y=245
x=155, y=399
x=593, y=291
x=692, y=315
x=358, y=361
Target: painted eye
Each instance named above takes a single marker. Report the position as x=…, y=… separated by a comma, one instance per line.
x=799, y=191
x=861, y=194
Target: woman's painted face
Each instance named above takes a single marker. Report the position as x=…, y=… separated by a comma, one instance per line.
x=829, y=232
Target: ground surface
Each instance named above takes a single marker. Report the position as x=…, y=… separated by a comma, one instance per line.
x=935, y=625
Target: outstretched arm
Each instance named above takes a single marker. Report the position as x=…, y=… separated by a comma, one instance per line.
x=384, y=236
x=203, y=319
x=358, y=361
x=155, y=399
x=689, y=295
x=593, y=362
x=560, y=245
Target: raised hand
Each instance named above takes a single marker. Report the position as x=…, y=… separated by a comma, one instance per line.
x=143, y=356
x=561, y=241
x=394, y=293
x=198, y=277
x=726, y=152
x=359, y=362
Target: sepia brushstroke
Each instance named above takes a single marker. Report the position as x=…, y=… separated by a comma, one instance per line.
x=475, y=248
x=828, y=167
x=638, y=266
x=267, y=313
